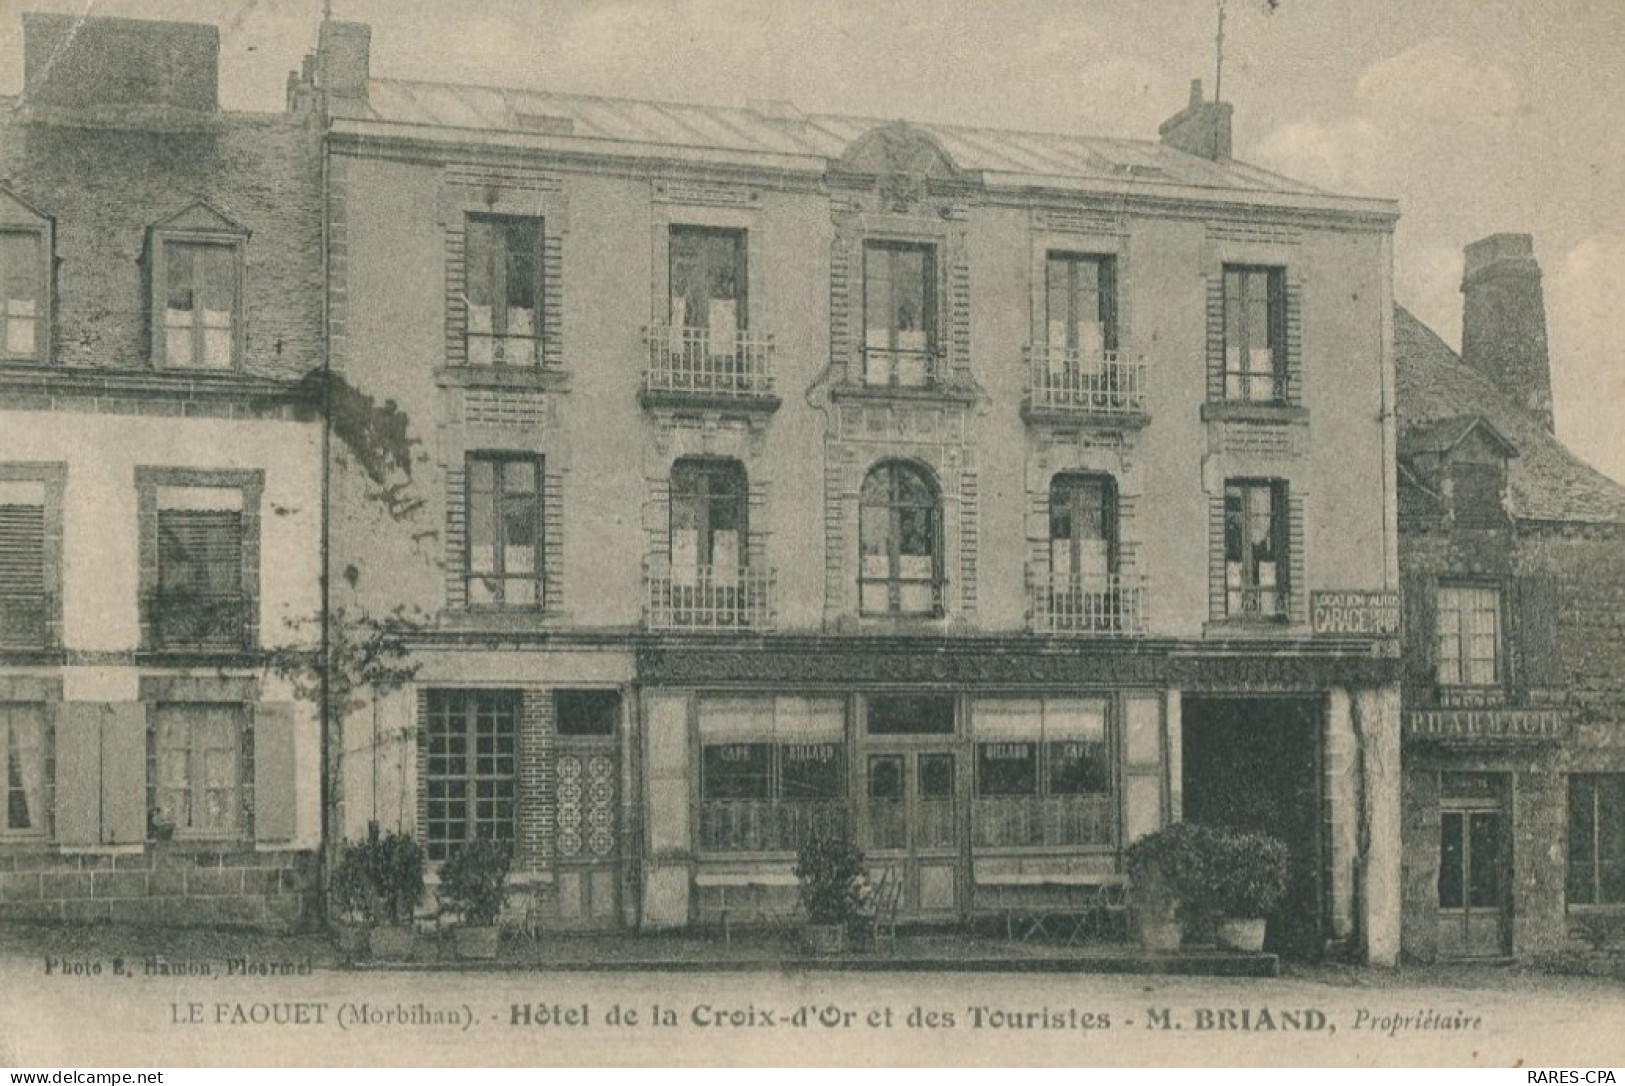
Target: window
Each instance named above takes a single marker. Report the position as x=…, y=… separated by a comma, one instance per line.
x=202, y=288
x=708, y=503
x=1468, y=636
x=1596, y=873
x=1255, y=549
x=708, y=283
x=22, y=739
x=503, y=255
x=201, y=601
x=504, y=531
x=1080, y=305
x=772, y=772
x=900, y=313
x=470, y=779
x=1082, y=531
x=911, y=714
x=22, y=295
x=23, y=599
x=1043, y=773
x=199, y=751
x=1254, y=334
x=900, y=525
x=589, y=713
x=1477, y=495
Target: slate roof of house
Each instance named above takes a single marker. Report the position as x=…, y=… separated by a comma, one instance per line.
x=1437, y=392
x=1445, y=434
x=778, y=128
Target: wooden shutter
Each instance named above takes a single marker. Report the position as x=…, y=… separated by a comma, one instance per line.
x=201, y=550
x=1419, y=613
x=1539, y=655
x=22, y=575
x=275, y=814
x=79, y=774
x=124, y=773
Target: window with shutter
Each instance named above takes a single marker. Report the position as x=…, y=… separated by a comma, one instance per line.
x=22, y=745
x=504, y=559
x=900, y=532
x=198, y=761
x=1476, y=495
x=23, y=598
x=1257, y=562
x=1596, y=861
x=200, y=602
x=503, y=255
x=22, y=295
x=1467, y=636
x=1255, y=335
x=202, y=303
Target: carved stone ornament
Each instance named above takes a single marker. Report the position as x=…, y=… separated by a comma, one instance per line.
x=904, y=159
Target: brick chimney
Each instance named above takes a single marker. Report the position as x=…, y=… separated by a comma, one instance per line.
x=1503, y=326
x=343, y=60
x=1201, y=128
x=107, y=68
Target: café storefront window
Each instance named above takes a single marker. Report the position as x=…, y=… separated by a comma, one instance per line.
x=772, y=772
x=1043, y=773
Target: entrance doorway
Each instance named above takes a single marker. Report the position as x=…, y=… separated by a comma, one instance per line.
x=588, y=841
x=1253, y=764
x=910, y=811
x=1473, y=860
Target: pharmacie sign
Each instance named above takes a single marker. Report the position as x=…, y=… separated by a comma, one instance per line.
x=1495, y=726
x=1358, y=614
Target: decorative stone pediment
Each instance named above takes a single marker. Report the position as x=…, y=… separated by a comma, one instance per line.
x=904, y=159
x=201, y=217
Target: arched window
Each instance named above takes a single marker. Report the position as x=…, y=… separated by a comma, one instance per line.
x=1082, y=531
x=900, y=522
x=708, y=500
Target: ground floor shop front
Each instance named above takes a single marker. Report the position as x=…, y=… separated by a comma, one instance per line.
x=670, y=786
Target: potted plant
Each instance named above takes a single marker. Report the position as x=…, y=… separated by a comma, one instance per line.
x=831, y=873
x=1168, y=876
x=379, y=883
x=1249, y=881
x=473, y=884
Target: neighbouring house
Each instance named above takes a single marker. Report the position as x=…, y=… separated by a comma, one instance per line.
x=733, y=475
x=1512, y=552
x=160, y=487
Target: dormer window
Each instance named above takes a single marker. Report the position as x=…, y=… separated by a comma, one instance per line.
x=197, y=306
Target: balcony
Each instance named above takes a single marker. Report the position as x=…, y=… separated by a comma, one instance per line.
x=200, y=622
x=707, y=598
x=887, y=367
x=1097, y=388
x=1111, y=606
x=686, y=367
x=24, y=620
x=1258, y=604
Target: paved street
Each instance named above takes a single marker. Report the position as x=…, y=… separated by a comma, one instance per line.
x=122, y=1013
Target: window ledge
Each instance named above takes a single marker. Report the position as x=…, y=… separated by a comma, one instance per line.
x=532, y=377
x=1231, y=411
x=199, y=658
x=501, y=619
x=1282, y=627
x=1092, y=420
x=939, y=393
x=764, y=402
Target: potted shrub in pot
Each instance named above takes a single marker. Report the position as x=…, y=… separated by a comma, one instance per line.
x=1250, y=879
x=1169, y=883
x=831, y=873
x=379, y=883
x=474, y=885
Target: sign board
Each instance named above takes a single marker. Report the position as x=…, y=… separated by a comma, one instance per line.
x=1485, y=726
x=1355, y=614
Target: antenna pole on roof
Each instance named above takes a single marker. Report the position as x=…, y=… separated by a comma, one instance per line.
x=1218, y=57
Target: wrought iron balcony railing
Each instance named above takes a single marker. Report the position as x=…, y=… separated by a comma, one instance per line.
x=707, y=597
x=1093, y=383
x=1258, y=604
x=689, y=361
x=1112, y=606
x=891, y=367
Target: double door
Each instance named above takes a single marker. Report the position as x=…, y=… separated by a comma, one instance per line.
x=1473, y=859
x=912, y=823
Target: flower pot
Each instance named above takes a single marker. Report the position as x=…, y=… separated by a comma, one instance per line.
x=1157, y=932
x=824, y=939
x=1246, y=935
x=394, y=942
x=477, y=944
x=352, y=940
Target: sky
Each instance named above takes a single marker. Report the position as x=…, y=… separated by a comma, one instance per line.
x=1478, y=116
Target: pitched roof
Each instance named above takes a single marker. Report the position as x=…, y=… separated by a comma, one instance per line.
x=1437, y=390
x=778, y=128
x=1442, y=436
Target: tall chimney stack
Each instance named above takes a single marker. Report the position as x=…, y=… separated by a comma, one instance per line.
x=1503, y=326
x=1201, y=128
x=343, y=59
